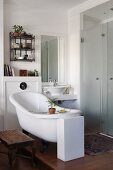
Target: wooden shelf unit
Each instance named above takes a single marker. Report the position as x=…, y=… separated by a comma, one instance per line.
x=22, y=47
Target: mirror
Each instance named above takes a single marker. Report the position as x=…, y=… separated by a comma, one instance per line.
x=49, y=58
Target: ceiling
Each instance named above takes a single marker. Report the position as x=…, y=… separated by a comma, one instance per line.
x=45, y=4
x=101, y=12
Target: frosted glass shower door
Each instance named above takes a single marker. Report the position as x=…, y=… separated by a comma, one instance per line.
x=91, y=76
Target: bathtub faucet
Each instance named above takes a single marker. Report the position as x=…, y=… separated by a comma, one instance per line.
x=54, y=83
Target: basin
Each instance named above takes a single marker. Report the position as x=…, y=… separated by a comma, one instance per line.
x=55, y=90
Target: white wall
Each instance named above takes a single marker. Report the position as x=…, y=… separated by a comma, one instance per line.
x=51, y=22
x=1, y=62
x=1, y=38
x=34, y=21
x=73, y=63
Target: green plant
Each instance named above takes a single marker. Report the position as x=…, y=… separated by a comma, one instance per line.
x=52, y=102
x=17, y=28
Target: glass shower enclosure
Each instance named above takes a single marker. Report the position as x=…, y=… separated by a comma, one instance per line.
x=97, y=74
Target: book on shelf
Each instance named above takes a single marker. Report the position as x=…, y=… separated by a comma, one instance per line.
x=8, y=70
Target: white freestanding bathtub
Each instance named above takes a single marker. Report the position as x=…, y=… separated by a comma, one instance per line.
x=32, y=114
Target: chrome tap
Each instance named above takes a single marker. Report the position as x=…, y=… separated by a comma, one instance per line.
x=54, y=83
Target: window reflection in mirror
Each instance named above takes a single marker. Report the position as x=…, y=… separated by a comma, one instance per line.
x=49, y=58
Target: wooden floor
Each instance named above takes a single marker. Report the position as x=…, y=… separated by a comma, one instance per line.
x=20, y=163
x=49, y=161
x=99, y=162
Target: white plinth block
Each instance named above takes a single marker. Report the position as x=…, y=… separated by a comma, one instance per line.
x=70, y=138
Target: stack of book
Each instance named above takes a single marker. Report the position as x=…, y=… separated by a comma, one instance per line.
x=8, y=70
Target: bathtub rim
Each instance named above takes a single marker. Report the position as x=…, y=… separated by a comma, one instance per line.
x=42, y=115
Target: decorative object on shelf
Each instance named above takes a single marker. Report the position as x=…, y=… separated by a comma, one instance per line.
x=24, y=34
x=23, y=73
x=22, y=45
x=33, y=73
x=25, y=56
x=15, y=45
x=52, y=104
x=20, y=58
x=36, y=73
x=17, y=30
x=26, y=45
x=8, y=70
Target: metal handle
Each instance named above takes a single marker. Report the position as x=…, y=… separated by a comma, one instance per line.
x=97, y=78
x=23, y=85
x=111, y=78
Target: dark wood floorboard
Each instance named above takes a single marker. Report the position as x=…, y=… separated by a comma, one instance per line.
x=20, y=164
